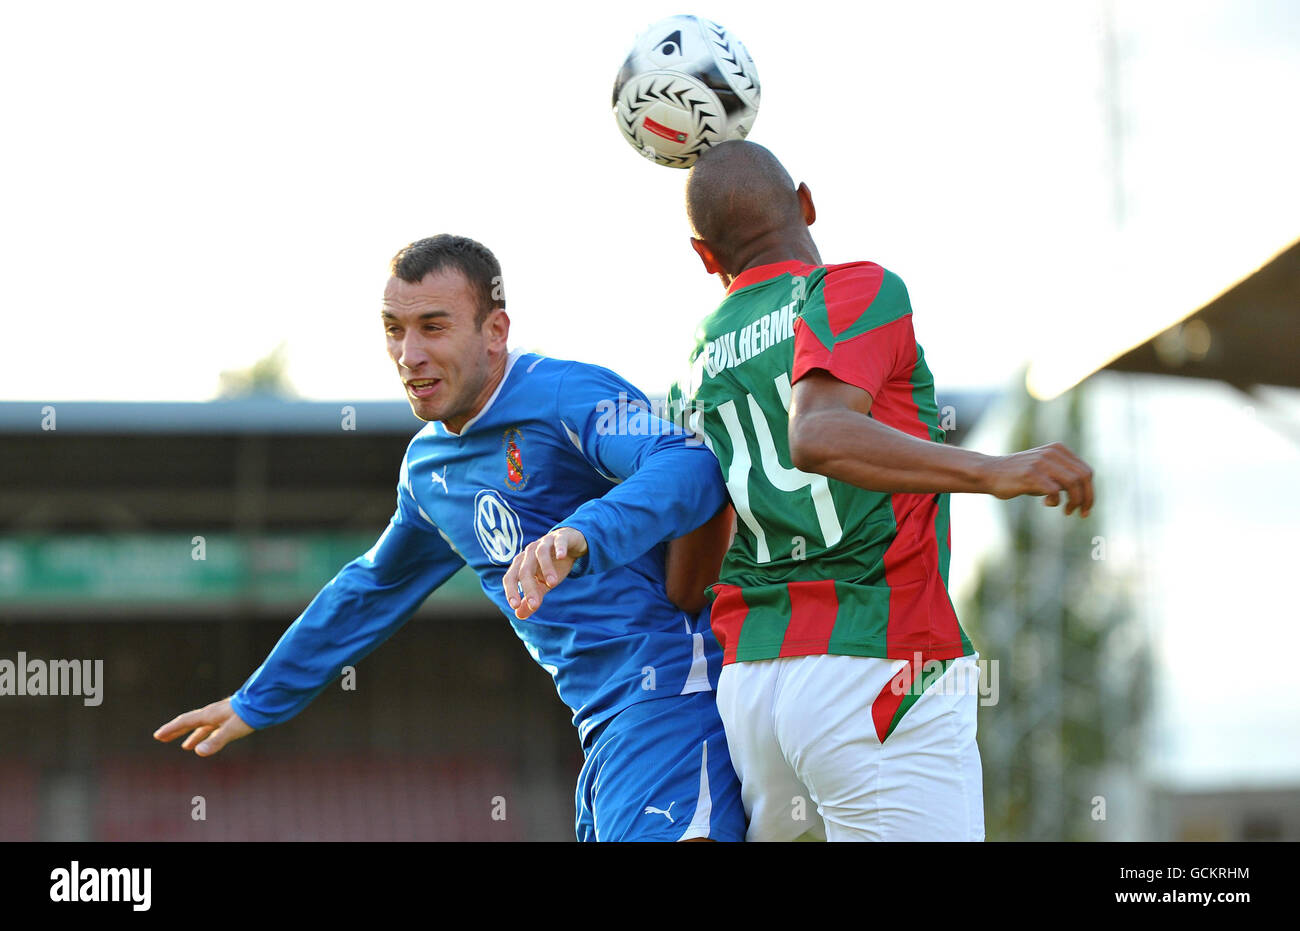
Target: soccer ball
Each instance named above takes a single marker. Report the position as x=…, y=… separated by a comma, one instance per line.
x=686, y=85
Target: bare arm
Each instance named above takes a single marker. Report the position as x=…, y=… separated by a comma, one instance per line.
x=694, y=561
x=831, y=433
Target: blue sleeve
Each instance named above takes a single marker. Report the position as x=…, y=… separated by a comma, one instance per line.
x=369, y=599
x=668, y=482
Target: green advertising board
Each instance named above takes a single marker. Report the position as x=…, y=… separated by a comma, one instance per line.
x=215, y=570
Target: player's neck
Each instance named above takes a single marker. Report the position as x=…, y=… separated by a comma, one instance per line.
x=786, y=249
x=457, y=424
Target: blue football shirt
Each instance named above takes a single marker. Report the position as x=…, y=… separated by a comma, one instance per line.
x=560, y=443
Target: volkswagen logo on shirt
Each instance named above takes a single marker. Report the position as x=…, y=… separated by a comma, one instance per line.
x=497, y=527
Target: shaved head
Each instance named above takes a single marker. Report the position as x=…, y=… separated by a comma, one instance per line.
x=738, y=194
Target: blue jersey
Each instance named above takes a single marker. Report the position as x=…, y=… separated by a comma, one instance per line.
x=559, y=444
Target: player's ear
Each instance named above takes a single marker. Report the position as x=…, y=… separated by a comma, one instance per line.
x=711, y=264
x=806, y=205
x=496, y=328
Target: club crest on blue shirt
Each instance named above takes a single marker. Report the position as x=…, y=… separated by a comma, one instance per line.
x=516, y=477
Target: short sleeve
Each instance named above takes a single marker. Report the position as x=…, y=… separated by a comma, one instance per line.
x=857, y=327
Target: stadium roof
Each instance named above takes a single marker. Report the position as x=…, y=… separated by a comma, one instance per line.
x=273, y=416
x=251, y=416
x=1246, y=336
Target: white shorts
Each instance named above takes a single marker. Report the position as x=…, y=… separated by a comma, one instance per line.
x=805, y=739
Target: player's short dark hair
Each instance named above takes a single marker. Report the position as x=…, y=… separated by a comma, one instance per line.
x=471, y=258
x=737, y=191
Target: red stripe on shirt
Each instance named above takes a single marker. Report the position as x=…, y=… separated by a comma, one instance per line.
x=910, y=578
x=921, y=617
x=727, y=617
x=848, y=292
x=813, y=609
x=867, y=361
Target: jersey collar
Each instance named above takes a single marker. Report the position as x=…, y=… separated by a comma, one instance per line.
x=764, y=272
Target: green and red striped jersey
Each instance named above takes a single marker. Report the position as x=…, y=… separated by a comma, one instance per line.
x=818, y=565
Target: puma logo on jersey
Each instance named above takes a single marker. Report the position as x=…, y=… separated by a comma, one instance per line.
x=441, y=479
x=651, y=810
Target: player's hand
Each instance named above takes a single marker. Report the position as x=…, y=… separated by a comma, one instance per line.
x=212, y=728
x=1050, y=470
x=542, y=565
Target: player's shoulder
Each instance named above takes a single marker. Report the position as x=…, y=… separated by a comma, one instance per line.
x=575, y=374
x=865, y=292
x=561, y=390
x=431, y=432
x=532, y=367
x=421, y=438
x=861, y=275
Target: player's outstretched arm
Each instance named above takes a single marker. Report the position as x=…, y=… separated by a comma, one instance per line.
x=370, y=598
x=211, y=728
x=831, y=434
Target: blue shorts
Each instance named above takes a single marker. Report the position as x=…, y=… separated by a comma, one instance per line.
x=659, y=770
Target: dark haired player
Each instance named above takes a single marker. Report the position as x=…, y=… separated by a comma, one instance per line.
x=516, y=448
x=847, y=679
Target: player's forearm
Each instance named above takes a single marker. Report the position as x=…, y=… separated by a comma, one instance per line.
x=369, y=599
x=337, y=629
x=676, y=489
x=857, y=449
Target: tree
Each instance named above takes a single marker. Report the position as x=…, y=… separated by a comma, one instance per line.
x=267, y=377
x=1075, y=665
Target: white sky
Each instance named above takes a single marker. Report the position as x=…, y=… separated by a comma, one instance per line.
x=183, y=187
x=1218, y=536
